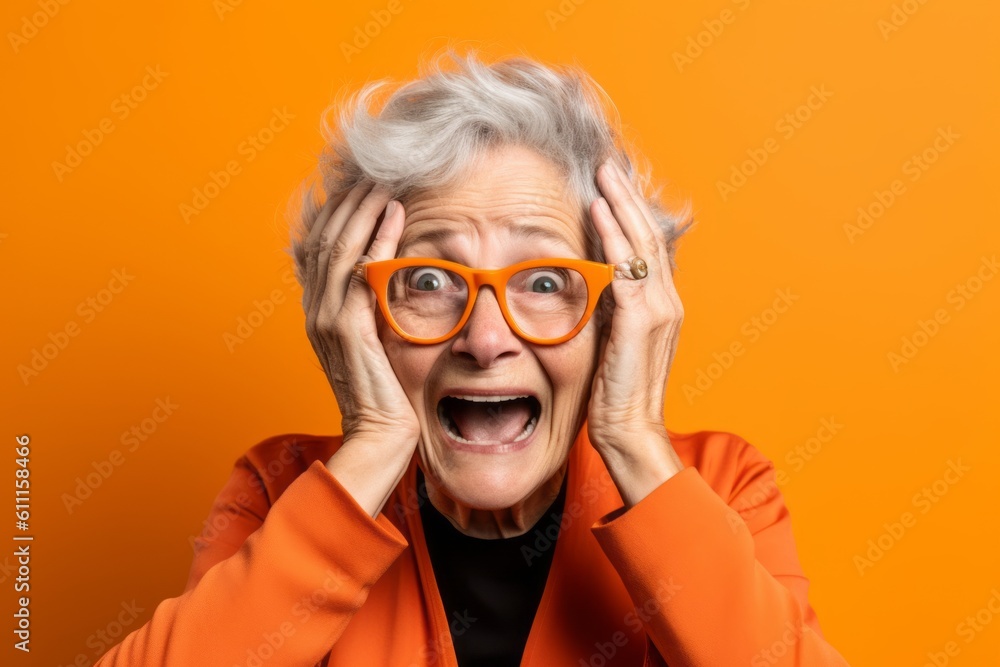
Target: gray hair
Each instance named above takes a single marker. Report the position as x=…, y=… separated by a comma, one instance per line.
x=430, y=129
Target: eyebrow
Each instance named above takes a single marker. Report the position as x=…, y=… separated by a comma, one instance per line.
x=519, y=230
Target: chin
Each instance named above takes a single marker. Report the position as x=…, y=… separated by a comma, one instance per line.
x=491, y=481
x=486, y=492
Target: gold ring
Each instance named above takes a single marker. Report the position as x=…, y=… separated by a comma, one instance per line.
x=634, y=268
x=639, y=268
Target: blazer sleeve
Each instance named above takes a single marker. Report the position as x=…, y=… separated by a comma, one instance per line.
x=282, y=581
x=717, y=582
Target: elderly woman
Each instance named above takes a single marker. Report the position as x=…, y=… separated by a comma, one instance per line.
x=488, y=288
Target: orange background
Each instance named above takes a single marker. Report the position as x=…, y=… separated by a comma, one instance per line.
x=162, y=336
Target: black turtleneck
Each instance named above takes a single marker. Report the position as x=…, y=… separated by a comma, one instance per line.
x=490, y=588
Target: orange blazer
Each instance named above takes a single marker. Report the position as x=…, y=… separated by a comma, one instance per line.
x=290, y=570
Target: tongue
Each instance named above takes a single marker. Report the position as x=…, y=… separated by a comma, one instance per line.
x=491, y=422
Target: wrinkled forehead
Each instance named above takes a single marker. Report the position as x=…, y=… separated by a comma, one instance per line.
x=515, y=203
x=503, y=241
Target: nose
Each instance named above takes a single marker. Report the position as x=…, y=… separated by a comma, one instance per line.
x=486, y=336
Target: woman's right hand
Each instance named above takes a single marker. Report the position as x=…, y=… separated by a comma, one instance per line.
x=379, y=424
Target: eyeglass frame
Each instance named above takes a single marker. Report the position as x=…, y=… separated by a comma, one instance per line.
x=377, y=274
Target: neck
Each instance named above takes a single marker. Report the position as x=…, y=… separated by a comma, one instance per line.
x=501, y=523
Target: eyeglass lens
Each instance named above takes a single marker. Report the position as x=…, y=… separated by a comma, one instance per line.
x=546, y=302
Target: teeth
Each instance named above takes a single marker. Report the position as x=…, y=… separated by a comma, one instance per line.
x=528, y=429
x=489, y=399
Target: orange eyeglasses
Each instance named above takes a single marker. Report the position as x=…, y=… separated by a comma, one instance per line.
x=427, y=300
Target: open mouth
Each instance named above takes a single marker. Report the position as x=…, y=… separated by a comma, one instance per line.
x=489, y=420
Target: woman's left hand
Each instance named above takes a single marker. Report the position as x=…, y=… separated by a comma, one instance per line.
x=625, y=414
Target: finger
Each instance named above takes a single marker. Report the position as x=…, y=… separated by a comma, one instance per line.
x=310, y=249
x=627, y=213
x=328, y=225
x=640, y=201
x=335, y=225
x=387, y=238
x=348, y=198
x=332, y=202
x=661, y=253
x=383, y=247
x=349, y=246
x=349, y=228
x=356, y=229
x=616, y=246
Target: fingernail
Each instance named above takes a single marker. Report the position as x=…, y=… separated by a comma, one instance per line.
x=390, y=209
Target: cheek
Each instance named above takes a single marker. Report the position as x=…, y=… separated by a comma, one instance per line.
x=571, y=366
x=410, y=363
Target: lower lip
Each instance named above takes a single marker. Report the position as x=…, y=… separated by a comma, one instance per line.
x=505, y=448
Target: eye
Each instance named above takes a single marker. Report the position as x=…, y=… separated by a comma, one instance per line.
x=427, y=279
x=545, y=282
